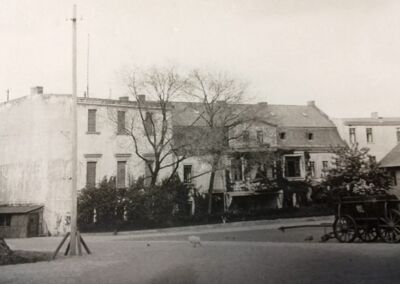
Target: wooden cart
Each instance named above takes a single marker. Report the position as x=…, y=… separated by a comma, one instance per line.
x=367, y=218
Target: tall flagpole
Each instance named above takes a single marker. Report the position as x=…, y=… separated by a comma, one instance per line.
x=74, y=153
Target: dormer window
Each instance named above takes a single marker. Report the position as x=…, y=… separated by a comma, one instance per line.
x=282, y=135
x=310, y=136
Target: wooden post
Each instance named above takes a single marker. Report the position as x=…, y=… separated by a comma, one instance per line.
x=60, y=245
x=74, y=153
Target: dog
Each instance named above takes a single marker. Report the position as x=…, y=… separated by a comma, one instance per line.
x=195, y=241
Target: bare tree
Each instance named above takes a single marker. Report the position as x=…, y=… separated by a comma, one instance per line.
x=219, y=113
x=151, y=127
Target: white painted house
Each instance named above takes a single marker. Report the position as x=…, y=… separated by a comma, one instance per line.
x=35, y=150
x=379, y=134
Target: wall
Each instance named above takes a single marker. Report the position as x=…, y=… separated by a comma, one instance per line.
x=269, y=135
x=318, y=158
x=106, y=147
x=35, y=156
x=201, y=167
x=384, y=137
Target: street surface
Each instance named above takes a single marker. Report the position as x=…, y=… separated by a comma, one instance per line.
x=229, y=254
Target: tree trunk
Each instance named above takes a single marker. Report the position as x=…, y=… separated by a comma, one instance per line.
x=211, y=184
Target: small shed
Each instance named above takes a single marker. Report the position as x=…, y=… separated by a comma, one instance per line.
x=21, y=221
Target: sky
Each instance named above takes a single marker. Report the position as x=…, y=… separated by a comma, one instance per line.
x=344, y=54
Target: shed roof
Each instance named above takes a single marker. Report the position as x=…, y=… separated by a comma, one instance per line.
x=392, y=159
x=18, y=209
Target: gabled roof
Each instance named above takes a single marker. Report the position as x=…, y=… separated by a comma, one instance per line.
x=392, y=159
x=187, y=113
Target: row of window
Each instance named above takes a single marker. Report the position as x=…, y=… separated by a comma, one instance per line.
x=260, y=136
x=369, y=135
x=91, y=174
x=121, y=177
x=121, y=122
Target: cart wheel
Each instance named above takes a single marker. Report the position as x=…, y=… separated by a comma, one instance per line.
x=367, y=234
x=345, y=229
x=389, y=227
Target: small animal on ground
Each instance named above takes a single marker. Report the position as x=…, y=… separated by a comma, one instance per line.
x=195, y=241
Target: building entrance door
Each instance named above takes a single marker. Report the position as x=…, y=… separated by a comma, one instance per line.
x=33, y=225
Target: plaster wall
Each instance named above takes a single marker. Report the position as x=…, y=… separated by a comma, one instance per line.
x=35, y=156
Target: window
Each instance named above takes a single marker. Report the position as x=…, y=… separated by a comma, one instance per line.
x=352, y=135
x=121, y=122
x=394, y=177
x=5, y=220
x=246, y=136
x=260, y=137
x=292, y=167
x=187, y=173
x=91, y=121
x=282, y=135
x=310, y=136
x=236, y=169
x=149, y=123
x=91, y=174
x=370, y=138
x=398, y=134
x=147, y=172
x=325, y=166
x=312, y=168
x=121, y=174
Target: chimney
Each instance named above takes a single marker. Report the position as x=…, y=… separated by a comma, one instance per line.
x=124, y=99
x=374, y=115
x=141, y=98
x=311, y=103
x=37, y=90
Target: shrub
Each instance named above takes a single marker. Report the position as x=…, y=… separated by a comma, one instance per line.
x=355, y=172
x=142, y=206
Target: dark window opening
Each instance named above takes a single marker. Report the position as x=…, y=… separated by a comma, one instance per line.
x=394, y=178
x=5, y=220
x=398, y=134
x=260, y=137
x=312, y=168
x=370, y=138
x=310, y=136
x=121, y=122
x=187, y=173
x=91, y=174
x=352, y=135
x=236, y=170
x=246, y=136
x=292, y=167
x=91, y=121
x=149, y=123
x=121, y=174
x=282, y=135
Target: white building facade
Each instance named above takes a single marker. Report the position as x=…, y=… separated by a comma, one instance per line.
x=36, y=150
x=379, y=134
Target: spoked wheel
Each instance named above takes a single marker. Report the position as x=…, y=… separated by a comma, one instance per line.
x=367, y=234
x=345, y=229
x=389, y=227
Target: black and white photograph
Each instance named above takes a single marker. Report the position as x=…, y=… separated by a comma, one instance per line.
x=200, y=141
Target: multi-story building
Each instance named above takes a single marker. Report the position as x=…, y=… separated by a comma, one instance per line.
x=379, y=134
x=36, y=151
x=297, y=140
